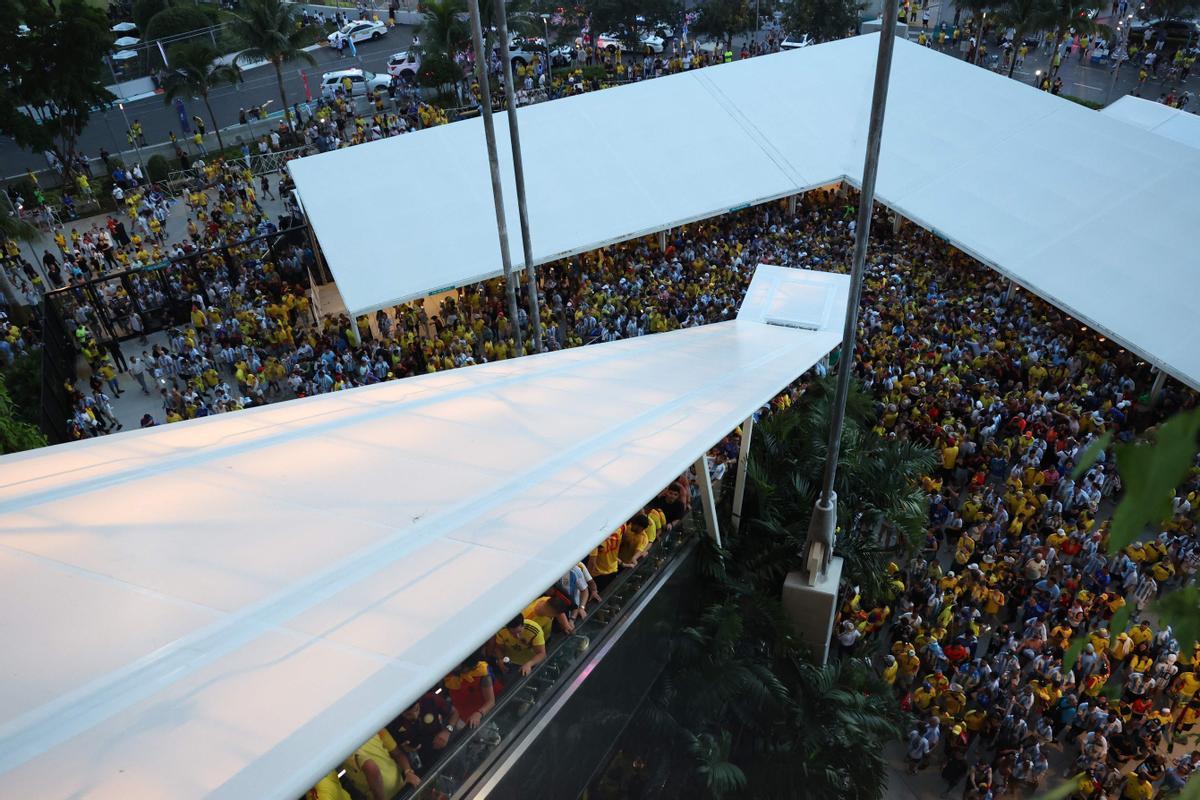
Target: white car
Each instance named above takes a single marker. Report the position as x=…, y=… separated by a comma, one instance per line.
x=359, y=31
x=362, y=82
x=647, y=41
x=664, y=29
x=404, y=64
x=796, y=42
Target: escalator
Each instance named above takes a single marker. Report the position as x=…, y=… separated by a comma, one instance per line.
x=552, y=731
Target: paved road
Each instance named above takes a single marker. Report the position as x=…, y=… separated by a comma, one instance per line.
x=108, y=130
x=158, y=118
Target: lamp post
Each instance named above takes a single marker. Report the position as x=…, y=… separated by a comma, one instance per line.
x=549, y=57
x=823, y=525
x=489, y=131
x=1119, y=53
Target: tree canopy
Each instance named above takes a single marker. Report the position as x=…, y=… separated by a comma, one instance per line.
x=824, y=20
x=58, y=73
x=723, y=19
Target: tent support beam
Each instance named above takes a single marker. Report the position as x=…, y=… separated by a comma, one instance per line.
x=489, y=130
x=707, y=501
x=1160, y=380
x=662, y=241
x=739, y=485
x=792, y=206
x=822, y=526
x=1008, y=290
x=897, y=223
x=514, y=135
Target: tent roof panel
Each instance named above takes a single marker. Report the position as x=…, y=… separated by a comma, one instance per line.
x=1173, y=123
x=228, y=606
x=989, y=163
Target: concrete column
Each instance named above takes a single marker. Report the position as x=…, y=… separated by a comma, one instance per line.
x=811, y=609
x=739, y=485
x=792, y=205
x=1156, y=388
x=707, y=502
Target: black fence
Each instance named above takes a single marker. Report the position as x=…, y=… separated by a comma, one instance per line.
x=122, y=305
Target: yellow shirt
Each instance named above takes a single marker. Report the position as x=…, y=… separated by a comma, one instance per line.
x=603, y=560
x=1188, y=684
x=328, y=788
x=522, y=648
x=543, y=616
x=378, y=749
x=632, y=543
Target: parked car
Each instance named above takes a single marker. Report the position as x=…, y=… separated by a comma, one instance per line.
x=359, y=31
x=362, y=82
x=1175, y=33
x=404, y=65
x=614, y=41
x=795, y=42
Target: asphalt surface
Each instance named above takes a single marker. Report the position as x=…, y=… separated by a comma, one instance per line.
x=1083, y=80
x=107, y=130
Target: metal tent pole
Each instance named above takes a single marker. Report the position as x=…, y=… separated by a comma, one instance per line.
x=489, y=131
x=823, y=525
x=514, y=134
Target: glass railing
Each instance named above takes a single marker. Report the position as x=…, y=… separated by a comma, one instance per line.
x=526, y=698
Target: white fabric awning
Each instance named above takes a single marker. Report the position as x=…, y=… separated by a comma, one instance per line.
x=227, y=607
x=992, y=164
x=1173, y=123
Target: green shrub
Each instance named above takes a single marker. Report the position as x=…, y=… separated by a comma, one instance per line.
x=594, y=72
x=159, y=168
x=1092, y=104
x=174, y=21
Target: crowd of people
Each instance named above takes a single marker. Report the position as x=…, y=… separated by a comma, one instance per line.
x=1004, y=388
x=1015, y=568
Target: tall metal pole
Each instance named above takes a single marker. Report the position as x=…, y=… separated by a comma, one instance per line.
x=978, y=38
x=489, y=131
x=549, y=57
x=823, y=525
x=121, y=105
x=514, y=135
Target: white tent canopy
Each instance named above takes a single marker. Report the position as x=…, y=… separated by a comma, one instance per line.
x=989, y=163
x=227, y=607
x=1173, y=123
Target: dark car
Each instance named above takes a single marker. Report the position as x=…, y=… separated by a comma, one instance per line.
x=1174, y=33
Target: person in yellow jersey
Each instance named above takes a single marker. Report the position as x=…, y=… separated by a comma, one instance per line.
x=521, y=644
x=547, y=610
x=604, y=560
x=379, y=769
x=328, y=788
x=634, y=541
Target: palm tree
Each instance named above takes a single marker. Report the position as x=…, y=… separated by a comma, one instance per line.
x=271, y=31
x=1061, y=16
x=877, y=488
x=196, y=72
x=1023, y=16
x=444, y=26
x=741, y=710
